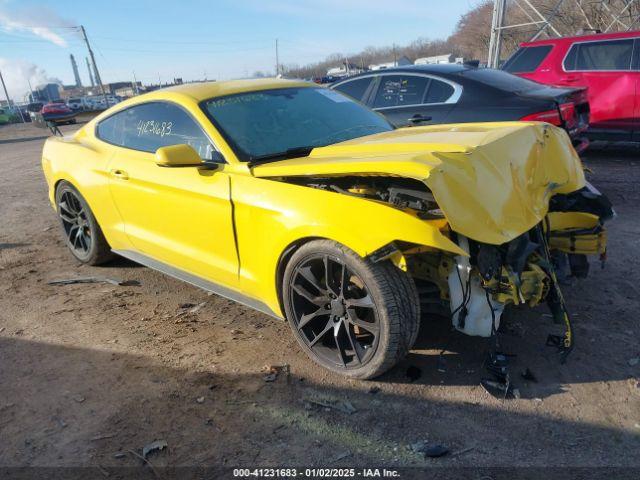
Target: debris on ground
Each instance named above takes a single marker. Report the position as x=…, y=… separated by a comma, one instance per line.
x=462, y=452
x=189, y=308
x=341, y=456
x=60, y=422
x=436, y=451
x=374, y=390
x=272, y=372
x=419, y=446
x=528, y=375
x=71, y=281
x=413, y=373
x=79, y=398
x=200, y=400
x=119, y=455
x=499, y=389
x=155, y=446
x=344, y=406
x=442, y=364
x=633, y=361
x=197, y=308
x=145, y=460
x=103, y=437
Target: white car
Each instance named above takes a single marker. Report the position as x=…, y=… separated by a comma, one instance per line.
x=75, y=104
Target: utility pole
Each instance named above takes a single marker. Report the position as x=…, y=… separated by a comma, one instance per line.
x=93, y=82
x=497, y=24
x=33, y=97
x=9, y=103
x=95, y=66
x=135, y=84
x=277, y=60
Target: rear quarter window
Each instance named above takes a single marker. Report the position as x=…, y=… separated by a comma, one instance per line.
x=527, y=59
x=355, y=88
x=400, y=90
x=605, y=56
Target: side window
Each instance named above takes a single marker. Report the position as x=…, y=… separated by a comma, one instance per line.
x=439, y=92
x=399, y=90
x=610, y=55
x=526, y=59
x=149, y=126
x=355, y=88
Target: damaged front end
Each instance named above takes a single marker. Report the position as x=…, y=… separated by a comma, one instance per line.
x=512, y=197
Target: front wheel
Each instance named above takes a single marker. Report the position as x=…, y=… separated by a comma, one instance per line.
x=350, y=315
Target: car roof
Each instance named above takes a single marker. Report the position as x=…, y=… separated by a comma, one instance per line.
x=443, y=69
x=205, y=90
x=588, y=37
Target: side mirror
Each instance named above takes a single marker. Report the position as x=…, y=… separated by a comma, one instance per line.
x=181, y=155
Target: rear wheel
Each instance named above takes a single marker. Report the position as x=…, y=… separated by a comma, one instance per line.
x=82, y=233
x=350, y=315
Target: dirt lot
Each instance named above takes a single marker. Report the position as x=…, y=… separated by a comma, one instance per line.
x=91, y=371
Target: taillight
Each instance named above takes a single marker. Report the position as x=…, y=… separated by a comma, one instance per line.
x=568, y=111
x=553, y=117
x=549, y=116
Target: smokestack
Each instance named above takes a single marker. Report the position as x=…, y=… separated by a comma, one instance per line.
x=93, y=83
x=76, y=74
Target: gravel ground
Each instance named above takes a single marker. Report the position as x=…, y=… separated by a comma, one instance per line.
x=89, y=372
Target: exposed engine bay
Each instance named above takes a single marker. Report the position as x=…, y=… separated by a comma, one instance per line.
x=403, y=193
x=478, y=287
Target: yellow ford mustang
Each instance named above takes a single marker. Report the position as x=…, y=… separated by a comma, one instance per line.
x=301, y=203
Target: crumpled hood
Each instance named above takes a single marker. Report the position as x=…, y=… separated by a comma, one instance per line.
x=493, y=181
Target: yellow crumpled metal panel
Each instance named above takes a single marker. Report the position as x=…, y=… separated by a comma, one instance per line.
x=493, y=181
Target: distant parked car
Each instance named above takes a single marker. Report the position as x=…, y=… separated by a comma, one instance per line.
x=5, y=116
x=451, y=93
x=58, y=113
x=607, y=64
x=75, y=104
x=34, y=108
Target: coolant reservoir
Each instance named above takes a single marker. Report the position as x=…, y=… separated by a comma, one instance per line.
x=466, y=288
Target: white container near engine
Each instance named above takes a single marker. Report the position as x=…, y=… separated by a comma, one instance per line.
x=465, y=287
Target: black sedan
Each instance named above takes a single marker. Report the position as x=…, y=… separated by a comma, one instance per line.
x=431, y=94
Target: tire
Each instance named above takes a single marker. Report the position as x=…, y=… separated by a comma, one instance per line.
x=359, y=327
x=83, y=236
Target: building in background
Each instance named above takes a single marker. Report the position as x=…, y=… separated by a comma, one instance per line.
x=438, y=59
x=131, y=90
x=45, y=93
x=346, y=69
x=401, y=62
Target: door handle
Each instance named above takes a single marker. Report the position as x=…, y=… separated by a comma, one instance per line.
x=116, y=172
x=417, y=118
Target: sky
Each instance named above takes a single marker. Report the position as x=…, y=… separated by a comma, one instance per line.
x=195, y=39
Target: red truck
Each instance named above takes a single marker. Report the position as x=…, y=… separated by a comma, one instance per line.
x=608, y=64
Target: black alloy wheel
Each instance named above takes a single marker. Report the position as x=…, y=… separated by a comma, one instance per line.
x=349, y=314
x=334, y=312
x=75, y=223
x=82, y=233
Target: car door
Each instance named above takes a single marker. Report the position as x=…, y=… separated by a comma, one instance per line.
x=604, y=67
x=181, y=217
x=635, y=73
x=413, y=99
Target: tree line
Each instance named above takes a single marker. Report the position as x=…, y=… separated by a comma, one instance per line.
x=471, y=35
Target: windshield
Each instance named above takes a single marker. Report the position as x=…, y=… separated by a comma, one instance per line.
x=273, y=124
